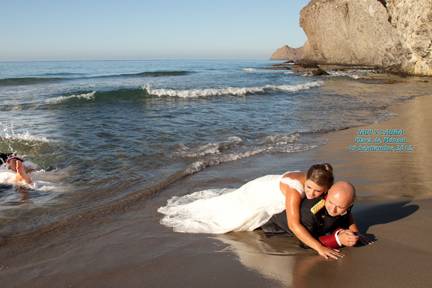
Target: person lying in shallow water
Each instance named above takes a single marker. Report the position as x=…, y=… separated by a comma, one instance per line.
x=16, y=164
x=328, y=218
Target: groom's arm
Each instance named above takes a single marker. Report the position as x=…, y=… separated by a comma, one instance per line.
x=344, y=235
x=330, y=241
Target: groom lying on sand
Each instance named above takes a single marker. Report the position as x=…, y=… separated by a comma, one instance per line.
x=328, y=218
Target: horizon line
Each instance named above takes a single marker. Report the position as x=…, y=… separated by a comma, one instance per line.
x=146, y=59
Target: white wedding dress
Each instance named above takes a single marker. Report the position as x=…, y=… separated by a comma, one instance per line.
x=219, y=211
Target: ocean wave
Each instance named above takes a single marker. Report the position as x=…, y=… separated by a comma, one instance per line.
x=206, y=149
x=235, y=91
x=78, y=98
x=61, y=99
x=139, y=94
x=215, y=160
x=61, y=76
x=158, y=73
x=98, y=96
x=25, y=136
x=271, y=143
x=28, y=80
x=235, y=148
x=134, y=94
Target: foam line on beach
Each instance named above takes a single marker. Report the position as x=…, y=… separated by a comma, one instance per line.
x=272, y=143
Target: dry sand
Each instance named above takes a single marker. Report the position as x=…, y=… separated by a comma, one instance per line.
x=133, y=250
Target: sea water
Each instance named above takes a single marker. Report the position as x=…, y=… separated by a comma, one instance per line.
x=100, y=130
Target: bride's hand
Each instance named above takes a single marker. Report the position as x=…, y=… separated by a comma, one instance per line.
x=329, y=253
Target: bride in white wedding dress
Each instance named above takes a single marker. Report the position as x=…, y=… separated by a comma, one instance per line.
x=247, y=208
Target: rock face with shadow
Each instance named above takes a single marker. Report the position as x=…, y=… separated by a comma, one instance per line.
x=393, y=34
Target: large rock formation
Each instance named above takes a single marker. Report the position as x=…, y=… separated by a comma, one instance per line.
x=394, y=34
x=288, y=53
x=412, y=21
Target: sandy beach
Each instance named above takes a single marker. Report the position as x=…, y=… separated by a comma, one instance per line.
x=131, y=249
x=115, y=116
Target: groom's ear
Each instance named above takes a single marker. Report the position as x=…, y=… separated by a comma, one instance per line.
x=348, y=210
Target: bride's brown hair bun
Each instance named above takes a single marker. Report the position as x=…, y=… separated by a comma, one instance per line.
x=321, y=174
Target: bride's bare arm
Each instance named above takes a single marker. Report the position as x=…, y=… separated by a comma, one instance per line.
x=292, y=205
x=22, y=174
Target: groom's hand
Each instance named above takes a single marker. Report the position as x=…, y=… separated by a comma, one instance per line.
x=348, y=238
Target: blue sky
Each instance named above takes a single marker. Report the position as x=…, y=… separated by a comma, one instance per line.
x=147, y=29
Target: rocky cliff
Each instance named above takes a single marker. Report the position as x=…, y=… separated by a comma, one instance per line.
x=412, y=21
x=288, y=53
x=394, y=34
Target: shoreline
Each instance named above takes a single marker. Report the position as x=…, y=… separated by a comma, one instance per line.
x=132, y=249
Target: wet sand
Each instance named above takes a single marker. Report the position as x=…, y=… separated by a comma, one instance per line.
x=132, y=249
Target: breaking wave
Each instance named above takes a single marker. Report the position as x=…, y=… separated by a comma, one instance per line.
x=61, y=99
x=23, y=137
x=138, y=94
x=235, y=91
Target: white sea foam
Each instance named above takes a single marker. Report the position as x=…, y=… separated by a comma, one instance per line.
x=8, y=133
x=207, y=149
x=354, y=74
x=344, y=74
x=249, y=69
x=216, y=159
x=274, y=71
x=61, y=99
x=232, y=149
x=26, y=136
x=281, y=139
x=42, y=182
x=235, y=91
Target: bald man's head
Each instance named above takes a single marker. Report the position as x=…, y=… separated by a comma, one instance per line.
x=340, y=197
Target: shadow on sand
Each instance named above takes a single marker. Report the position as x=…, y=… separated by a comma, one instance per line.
x=280, y=258
x=368, y=215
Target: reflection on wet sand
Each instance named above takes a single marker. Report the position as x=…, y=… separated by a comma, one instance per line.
x=279, y=258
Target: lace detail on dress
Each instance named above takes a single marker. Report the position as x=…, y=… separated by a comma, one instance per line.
x=293, y=183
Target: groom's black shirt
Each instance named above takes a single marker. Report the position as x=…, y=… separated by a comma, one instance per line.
x=314, y=218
